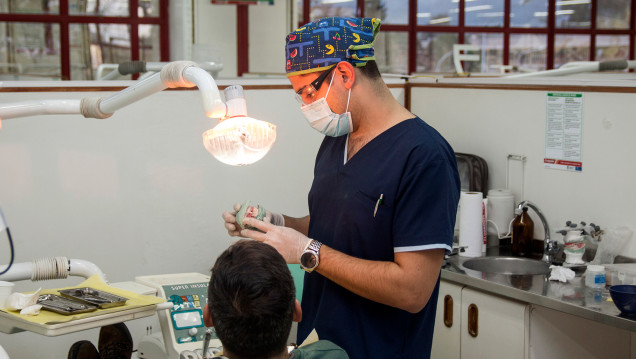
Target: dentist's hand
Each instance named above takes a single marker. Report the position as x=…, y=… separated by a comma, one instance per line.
x=288, y=242
x=233, y=229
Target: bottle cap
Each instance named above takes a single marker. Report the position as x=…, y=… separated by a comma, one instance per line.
x=595, y=268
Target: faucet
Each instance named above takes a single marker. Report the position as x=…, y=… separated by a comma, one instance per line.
x=550, y=247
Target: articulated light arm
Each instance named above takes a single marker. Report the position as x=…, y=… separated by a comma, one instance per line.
x=240, y=141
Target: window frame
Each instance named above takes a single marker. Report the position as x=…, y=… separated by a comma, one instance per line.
x=461, y=29
x=64, y=19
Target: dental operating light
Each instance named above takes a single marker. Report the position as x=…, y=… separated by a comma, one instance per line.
x=236, y=140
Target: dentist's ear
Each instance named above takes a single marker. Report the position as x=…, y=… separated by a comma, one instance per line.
x=298, y=312
x=346, y=71
x=207, y=316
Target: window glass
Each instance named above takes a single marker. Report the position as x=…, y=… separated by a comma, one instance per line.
x=29, y=6
x=299, y=12
x=395, y=12
x=392, y=52
x=484, y=12
x=528, y=51
x=569, y=48
x=438, y=12
x=328, y=8
x=99, y=8
x=435, y=52
x=29, y=51
x=613, y=14
x=148, y=8
x=528, y=13
x=149, y=45
x=573, y=13
x=611, y=47
x=93, y=45
x=491, y=53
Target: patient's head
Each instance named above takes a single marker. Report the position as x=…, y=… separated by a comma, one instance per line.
x=251, y=301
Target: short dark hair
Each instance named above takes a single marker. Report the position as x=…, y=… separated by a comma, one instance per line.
x=251, y=298
x=370, y=70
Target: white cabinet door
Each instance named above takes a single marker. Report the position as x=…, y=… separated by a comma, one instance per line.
x=447, y=322
x=492, y=327
x=557, y=335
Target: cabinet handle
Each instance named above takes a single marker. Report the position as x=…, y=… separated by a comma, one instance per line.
x=473, y=320
x=448, y=311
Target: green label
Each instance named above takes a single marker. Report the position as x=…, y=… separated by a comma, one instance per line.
x=563, y=94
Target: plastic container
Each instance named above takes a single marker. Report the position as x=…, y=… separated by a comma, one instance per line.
x=595, y=276
x=623, y=273
x=501, y=210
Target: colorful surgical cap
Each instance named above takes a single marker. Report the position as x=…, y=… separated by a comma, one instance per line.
x=320, y=44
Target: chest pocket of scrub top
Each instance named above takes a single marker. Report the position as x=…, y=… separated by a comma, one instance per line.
x=372, y=223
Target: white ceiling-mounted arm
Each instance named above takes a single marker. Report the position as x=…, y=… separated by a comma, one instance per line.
x=39, y=107
x=212, y=104
x=241, y=141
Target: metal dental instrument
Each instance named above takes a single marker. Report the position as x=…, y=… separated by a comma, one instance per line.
x=206, y=343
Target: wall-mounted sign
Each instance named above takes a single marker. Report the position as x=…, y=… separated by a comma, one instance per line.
x=563, y=131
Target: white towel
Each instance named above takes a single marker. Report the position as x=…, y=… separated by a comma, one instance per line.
x=561, y=274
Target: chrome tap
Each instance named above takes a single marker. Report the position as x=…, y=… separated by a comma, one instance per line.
x=550, y=247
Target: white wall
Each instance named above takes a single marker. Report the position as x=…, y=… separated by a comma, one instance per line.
x=137, y=193
x=494, y=123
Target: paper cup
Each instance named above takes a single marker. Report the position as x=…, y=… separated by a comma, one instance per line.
x=5, y=290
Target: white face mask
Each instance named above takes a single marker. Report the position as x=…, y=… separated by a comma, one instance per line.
x=325, y=121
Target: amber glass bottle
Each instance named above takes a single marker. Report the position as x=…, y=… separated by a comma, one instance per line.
x=522, y=234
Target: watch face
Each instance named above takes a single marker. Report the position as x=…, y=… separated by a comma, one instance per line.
x=308, y=260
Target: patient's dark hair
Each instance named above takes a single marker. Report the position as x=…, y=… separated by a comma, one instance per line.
x=251, y=299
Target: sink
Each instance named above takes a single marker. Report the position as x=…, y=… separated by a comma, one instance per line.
x=507, y=265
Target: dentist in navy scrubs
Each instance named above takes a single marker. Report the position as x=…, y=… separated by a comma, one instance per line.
x=382, y=204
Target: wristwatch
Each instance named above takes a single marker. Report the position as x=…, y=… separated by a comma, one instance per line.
x=310, y=258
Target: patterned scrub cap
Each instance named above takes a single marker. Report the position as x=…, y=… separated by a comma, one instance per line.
x=318, y=45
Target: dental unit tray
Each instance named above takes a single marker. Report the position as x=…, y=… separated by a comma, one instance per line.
x=61, y=305
x=94, y=297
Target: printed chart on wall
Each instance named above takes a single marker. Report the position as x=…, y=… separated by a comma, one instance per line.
x=563, y=131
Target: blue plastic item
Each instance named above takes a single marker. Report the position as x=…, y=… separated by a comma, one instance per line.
x=624, y=297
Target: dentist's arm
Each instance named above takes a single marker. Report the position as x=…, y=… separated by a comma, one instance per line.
x=405, y=283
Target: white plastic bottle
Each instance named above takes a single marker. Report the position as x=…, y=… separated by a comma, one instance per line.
x=595, y=276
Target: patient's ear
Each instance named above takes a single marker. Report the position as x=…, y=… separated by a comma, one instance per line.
x=298, y=312
x=207, y=316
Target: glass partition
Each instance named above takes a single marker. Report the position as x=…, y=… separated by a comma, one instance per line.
x=29, y=51
x=391, y=52
x=570, y=48
x=491, y=54
x=435, y=51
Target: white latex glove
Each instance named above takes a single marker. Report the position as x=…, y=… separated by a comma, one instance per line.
x=288, y=242
x=230, y=221
x=234, y=230
x=274, y=218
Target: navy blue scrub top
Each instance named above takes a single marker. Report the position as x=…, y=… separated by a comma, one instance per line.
x=414, y=171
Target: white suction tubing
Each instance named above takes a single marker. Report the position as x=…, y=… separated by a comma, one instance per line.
x=580, y=66
x=39, y=107
x=29, y=270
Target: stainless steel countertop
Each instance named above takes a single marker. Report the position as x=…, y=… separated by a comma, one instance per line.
x=572, y=297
